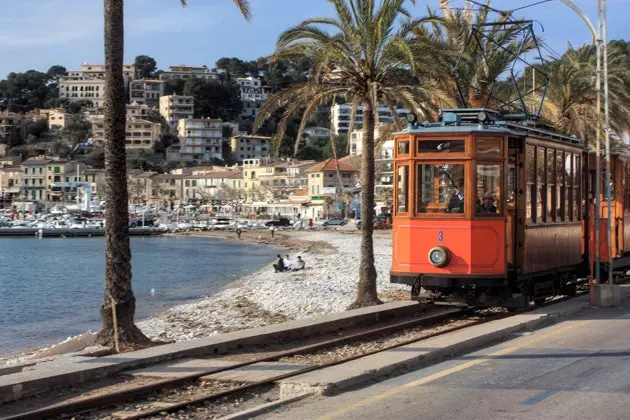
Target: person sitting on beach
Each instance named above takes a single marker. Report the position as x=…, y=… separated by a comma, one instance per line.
x=287, y=262
x=278, y=266
x=299, y=264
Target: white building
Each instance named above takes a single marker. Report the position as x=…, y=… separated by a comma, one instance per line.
x=136, y=110
x=252, y=89
x=341, y=117
x=146, y=91
x=187, y=72
x=88, y=84
x=176, y=107
x=250, y=147
x=383, y=162
x=200, y=140
x=139, y=133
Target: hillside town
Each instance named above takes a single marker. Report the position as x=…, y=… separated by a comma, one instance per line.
x=181, y=157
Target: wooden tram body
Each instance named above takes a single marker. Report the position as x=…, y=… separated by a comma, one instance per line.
x=489, y=212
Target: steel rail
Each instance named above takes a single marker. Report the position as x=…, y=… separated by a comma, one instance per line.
x=117, y=397
x=218, y=395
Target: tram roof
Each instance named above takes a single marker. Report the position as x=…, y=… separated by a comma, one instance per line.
x=480, y=120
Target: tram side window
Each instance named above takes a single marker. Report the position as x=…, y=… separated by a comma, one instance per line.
x=440, y=189
x=541, y=184
x=551, y=185
x=488, y=200
x=560, y=172
x=577, y=179
x=626, y=189
x=568, y=197
x=531, y=183
x=402, y=196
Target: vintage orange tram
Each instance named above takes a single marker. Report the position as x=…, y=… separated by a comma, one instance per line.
x=493, y=211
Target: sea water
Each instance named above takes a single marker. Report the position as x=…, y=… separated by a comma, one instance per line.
x=52, y=288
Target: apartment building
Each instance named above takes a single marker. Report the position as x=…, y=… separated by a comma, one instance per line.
x=10, y=183
x=251, y=170
x=89, y=83
x=341, y=113
x=39, y=175
x=56, y=117
x=8, y=123
x=146, y=91
x=95, y=177
x=322, y=178
x=176, y=107
x=250, y=109
x=139, y=134
x=166, y=187
x=297, y=175
x=34, y=179
x=383, y=162
x=250, y=147
x=200, y=140
x=138, y=110
x=139, y=185
x=252, y=89
x=97, y=71
x=187, y=72
x=203, y=185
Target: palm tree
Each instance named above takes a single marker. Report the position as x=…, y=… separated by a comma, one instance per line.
x=455, y=36
x=571, y=103
x=362, y=61
x=118, y=297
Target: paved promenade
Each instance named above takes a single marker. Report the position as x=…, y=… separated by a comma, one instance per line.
x=577, y=369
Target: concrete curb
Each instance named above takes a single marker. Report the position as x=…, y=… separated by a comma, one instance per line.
x=265, y=408
x=65, y=371
x=360, y=372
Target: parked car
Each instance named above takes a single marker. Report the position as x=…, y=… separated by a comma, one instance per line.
x=379, y=220
x=280, y=222
x=336, y=221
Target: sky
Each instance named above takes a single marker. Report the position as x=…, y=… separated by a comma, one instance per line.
x=36, y=34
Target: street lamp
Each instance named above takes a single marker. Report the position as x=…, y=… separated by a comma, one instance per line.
x=600, y=38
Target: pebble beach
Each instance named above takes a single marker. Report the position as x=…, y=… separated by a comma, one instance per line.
x=326, y=285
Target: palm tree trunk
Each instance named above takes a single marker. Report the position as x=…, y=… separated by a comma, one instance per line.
x=118, y=290
x=366, y=287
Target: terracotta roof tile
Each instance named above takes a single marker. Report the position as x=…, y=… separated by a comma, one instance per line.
x=329, y=165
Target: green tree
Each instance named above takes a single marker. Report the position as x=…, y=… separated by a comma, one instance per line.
x=356, y=62
x=118, y=293
x=23, y=92
x=214, y=99
x=154, y=115
x=54, y=72
x=76, y=130
x=174, y=87
x=145, y=67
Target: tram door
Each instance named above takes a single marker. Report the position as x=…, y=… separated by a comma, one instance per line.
x=512, y=203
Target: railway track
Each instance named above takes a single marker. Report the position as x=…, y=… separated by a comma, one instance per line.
x=102, y=401
x=97, y=406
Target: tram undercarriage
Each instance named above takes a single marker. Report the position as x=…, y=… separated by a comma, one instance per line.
x=517, y=292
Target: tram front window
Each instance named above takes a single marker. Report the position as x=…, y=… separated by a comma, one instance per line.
x=440, y=188
x=488, y=198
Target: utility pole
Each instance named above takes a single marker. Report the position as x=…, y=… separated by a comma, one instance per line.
x=609, y=295
x=604, y=31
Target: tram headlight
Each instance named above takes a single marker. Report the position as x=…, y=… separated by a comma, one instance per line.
x=439, y=256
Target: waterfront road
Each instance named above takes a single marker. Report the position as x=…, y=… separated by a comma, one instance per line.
x=577, y=369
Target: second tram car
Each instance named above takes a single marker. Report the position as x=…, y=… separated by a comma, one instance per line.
x=491, y=211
